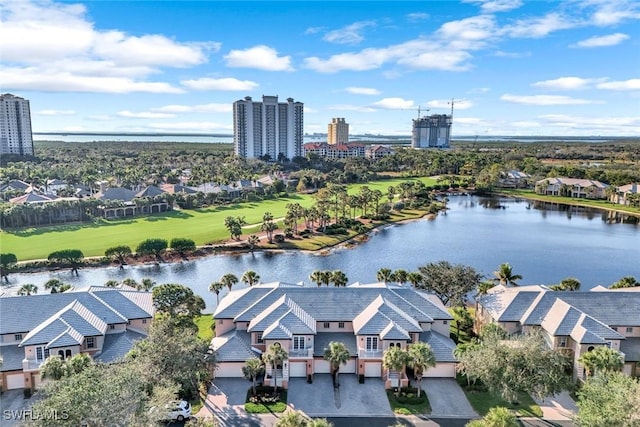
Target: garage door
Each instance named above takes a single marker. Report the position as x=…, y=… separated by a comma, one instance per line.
x=229, y=369
x=349, y=368
x=441, y=370
x=298, y=369
x=15, y=381
x=373, y=369
x=321, y=367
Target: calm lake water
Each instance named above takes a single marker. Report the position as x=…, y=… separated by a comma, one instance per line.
x=544, y=243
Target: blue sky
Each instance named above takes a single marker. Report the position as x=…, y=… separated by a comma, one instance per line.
x=513, y=67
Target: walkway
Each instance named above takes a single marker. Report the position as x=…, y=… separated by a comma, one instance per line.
x=447, y=398
x=558, y=408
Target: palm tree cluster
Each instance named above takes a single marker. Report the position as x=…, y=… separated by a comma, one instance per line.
x=419, y=356
x=326, y=277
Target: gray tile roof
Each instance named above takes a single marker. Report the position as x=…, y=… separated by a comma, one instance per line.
x=116, y=193
x=12, y=356
x=518, y=306
x=277, y=331
x=46, y=332
x=149, y=191
x=234, y=346
x=631, y=349
x=442, y=346
x=322, y=340
x=394, y=332
x=116, y=346
x=67, y=338
x=20, y=314
x=568, y=322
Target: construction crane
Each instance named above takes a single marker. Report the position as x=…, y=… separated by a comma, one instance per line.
x=452, y=103
x=418, y=109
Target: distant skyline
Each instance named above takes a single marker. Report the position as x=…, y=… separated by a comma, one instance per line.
x=513, y=67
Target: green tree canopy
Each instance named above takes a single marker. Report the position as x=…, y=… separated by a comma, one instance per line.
x=610, y=399
x=421, y=358
x=7, y=261
x=182, y=245
x=152, y=247
x=451, y=283
x=72, y=257
x=119, y=254
x=497, y=416
x=177, y=301
x=601, y=359
x=625, y=282
x=252, y=369
x=504, y=275
x=336, y=354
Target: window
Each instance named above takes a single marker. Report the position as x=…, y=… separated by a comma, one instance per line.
x=392, y=345
x=327, y=325
x=61, y=354
x=298, y=343
x=112, y=326
x=562, y=342
x=18, y=337
x=444, y=322
x=341, y=325
x=41, y=353
x=259, y=338
x=144, y=321
x=68, y=353
x=220, y=321
x=91, y=342
x=372, y=343
x=629, y=330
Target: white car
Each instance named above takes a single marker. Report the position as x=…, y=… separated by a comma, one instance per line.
x=177, y=410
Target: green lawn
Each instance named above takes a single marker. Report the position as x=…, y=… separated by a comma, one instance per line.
x=482, y=401
x=203, y=226
x=204, y=323
x=601, y=204
x=409, y=404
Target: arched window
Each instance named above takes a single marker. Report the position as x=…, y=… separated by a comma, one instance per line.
x=392, y=345
x=61, y=354
x=68, y=353
x=590, y=348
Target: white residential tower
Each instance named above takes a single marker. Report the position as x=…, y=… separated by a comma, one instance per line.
x=15, y=126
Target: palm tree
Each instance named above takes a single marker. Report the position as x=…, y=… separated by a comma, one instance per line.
x=325, y=276
x=384, y=275
x=250, y=277
x=27, y=289
x=274, y=356
x=395, y=359
x=252, y=369
x=568, y=284
x=601, y=359
x=625, y=282
x=483, y=287
x=421, y=358
x=216, y=287
x=54, y=285
x=415, y=278
x=339, y=279
x=462, y=317
x=316, y=277
x=146, y=284
x=229, y=280
x=400, y=276
x=130, y=282
x=253, y=241
x=504, y=275
x=336, y=354
x=112, y=283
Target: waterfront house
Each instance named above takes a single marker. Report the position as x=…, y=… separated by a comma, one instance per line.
x=575, y=322
x=514, y=179
x=368, y=319
x=99, y=321
x=572, y=187
x=626, y=195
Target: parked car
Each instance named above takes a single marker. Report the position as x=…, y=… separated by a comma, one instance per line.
x=178, y=410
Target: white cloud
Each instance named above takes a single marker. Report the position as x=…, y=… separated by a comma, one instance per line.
x=362, y=90
x=357, y=108
x=612, y=12
x=144, y=115
x=540, y=26
x=461, y=104
x=631, y=84
x=313, y=30
x=56, y=112
x=417, y=16
x=228, y=83
x=601, y=41
x=546, y=100
x=475, y=28
x=203, y=108
x=394, y=103
x=32, y=78
x=566, y=83
x=351, y=34
x=55, y=47
x=491, y=6
x=503, y=54
x=261, y=57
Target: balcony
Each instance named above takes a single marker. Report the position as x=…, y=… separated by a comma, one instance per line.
x=369, y=354
x=303, y=353
x=31, y=365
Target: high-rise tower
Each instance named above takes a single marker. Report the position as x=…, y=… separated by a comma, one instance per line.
x=432, y=131
x=338, y=131
x=15, y=126
x=268, y=127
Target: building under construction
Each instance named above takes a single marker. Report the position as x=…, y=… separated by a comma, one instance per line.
x=432, y=131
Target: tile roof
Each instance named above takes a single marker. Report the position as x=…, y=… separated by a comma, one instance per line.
x=116, y=193
x=234, y=346
x=150, y=191
x=394, y=332
x=442, y=346
x=322, y=340
x=12, y=357
x=631, y=349
x=518, y=306
x=116, y=346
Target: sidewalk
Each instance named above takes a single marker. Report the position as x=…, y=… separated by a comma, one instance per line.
x=558, y=408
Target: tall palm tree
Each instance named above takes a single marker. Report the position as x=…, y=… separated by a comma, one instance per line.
x=27, y=289
x=250, y=277
x=336, y=354
x=415, y=278
x=568, y=284
x=384, y=275
x=252, y=369
x=316, y=277
x=253, y=241
x=504, y=275
x=229, y=280
x=421, y=358
x=216, y=287
x=400, y=276
x=395, y=359
x=274, y=356
x=339, y=279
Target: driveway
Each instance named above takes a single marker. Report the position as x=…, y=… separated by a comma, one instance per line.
x=558, y=408
x=447, y=398
x=351, y=399
x=225, y=401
